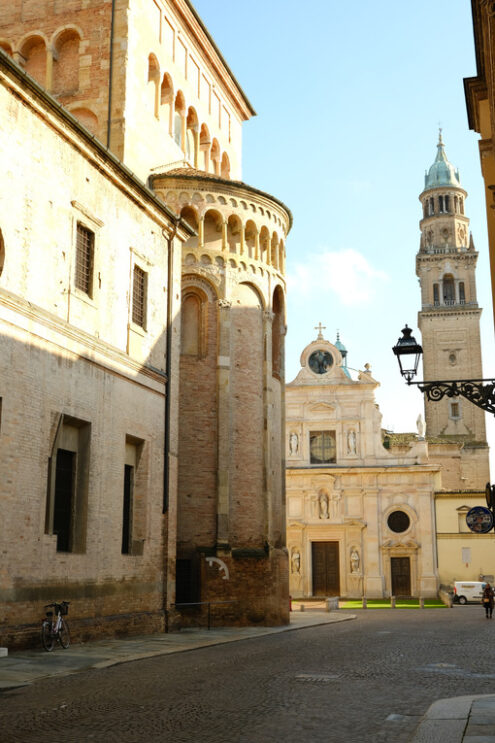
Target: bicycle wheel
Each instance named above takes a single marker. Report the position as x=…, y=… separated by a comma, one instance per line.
x=47, y=636
x=64, y=634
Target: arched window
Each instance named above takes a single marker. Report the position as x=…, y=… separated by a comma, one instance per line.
x=179, y=118
x=215, y=156
x=274, y=250
x=264, y=245
x=212, y=230
x=154, y=82
x=204, y=146
x=225, y=167
x=456, y=205
x=461, y=205
x=448, y=289
x=234, y=227
x=462, y=294
x=87, y=118
x=167, y=100
x=447, y=203
x=436, y=295
x=192, y=136
x=6, y=47
x=250, y=232
x=189, y=214
x=440, y=204
x=432, y=206
x=66, y=63
x=190, y=325
x=34, y=52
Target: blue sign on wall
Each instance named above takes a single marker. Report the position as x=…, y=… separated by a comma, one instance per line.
x=480, y=520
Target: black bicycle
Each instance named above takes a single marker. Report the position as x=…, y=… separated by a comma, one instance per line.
x=55, y=627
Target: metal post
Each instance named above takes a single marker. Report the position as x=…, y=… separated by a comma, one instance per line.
x=392, y=602
x=209, y=616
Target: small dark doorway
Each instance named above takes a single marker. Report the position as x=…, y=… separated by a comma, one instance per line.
x=326, y=574
x=401, y=576
x=64, y=496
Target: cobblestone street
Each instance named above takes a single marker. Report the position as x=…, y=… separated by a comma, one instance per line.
x=370, y=679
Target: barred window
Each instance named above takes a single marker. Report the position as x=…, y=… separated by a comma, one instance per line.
x=85, y=244
x=322, y=447
x=139, y=297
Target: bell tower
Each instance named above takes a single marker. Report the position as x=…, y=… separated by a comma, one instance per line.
x=449, y=318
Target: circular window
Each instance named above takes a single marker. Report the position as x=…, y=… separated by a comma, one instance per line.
x=398, y=521
x=320, y=361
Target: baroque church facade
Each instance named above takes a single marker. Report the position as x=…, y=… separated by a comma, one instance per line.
x=374, y=513
x=142, y=313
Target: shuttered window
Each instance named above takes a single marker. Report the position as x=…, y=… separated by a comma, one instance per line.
x=139, y=297
x=85, y=244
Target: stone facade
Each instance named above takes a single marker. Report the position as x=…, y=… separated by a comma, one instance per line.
x=142, y=327
x=360, y=519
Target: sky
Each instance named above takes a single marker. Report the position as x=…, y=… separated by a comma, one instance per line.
x=349, y=98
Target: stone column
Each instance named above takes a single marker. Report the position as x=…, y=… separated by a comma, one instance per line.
x=268, y=418
x=196, y=147
x=201, y=232
x=225, y=433
x=224, y=235
x=257, y=246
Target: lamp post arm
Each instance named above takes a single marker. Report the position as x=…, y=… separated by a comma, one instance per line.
x=480, y=392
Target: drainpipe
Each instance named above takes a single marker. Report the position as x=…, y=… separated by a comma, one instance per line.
x=109, y=114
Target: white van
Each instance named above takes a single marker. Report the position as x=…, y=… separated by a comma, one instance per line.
x=466, y=591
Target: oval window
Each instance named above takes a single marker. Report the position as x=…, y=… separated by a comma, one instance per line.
x=398, y=521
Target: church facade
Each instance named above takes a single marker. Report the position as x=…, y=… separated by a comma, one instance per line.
x=360, y=518
x=141, y=443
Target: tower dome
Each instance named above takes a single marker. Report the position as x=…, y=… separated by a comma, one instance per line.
x=441, y=173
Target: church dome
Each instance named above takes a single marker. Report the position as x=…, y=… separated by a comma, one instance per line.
x=441, y=173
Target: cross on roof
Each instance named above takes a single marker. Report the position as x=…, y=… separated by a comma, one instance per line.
x=319, y=328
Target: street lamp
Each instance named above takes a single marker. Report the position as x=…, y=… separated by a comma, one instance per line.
x=480, y=392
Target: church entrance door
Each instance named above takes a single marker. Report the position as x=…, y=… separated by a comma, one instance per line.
x=326, y=577
x=401, y=576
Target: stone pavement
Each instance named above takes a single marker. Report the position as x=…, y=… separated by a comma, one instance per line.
x=469, y=719
x=24, y=667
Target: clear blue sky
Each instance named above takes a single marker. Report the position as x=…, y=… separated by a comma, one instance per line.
x=349, y=97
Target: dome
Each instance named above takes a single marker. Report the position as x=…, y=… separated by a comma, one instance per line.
x=441, y=173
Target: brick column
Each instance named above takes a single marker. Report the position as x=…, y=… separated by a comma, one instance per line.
x=225, y=433
x=268, y=419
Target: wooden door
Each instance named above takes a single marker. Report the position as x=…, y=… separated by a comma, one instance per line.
x=326, y=575
x=401, y=576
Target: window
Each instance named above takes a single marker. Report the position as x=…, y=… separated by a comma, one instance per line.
x=447, y=203
x=455, y=411
x=436, y=295
x=85, y=245
x=440, y=204
x=448, y=289
x=322, y=447
x=462, y=294
x=432, y=206
x=139, y=297
x=68, y=478
x=398, y=522
x=134, y=497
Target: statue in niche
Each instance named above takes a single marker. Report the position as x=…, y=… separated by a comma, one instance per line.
x=323, y=503
x=354, y=560
x=293, y=444
x=295, y=561
x=335, y=504
x=421, y=426
x=351, y=442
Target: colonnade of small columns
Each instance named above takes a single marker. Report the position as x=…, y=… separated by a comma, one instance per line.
x=37, y=54
x=183, y=124
x=257, y=244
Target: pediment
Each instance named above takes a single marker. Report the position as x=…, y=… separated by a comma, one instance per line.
x=321, y=407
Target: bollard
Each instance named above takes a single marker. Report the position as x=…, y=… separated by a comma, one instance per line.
x=290, y=603
x=365, y=602
x=421, y=602
x=302, y=607
x=328, y=603
x=392, y=602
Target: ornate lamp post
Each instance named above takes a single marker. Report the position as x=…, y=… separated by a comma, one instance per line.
x=480, y=392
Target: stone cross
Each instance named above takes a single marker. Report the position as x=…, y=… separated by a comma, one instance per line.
x=319, y=328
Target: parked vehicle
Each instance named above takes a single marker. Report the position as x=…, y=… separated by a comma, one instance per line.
x=466, y=592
